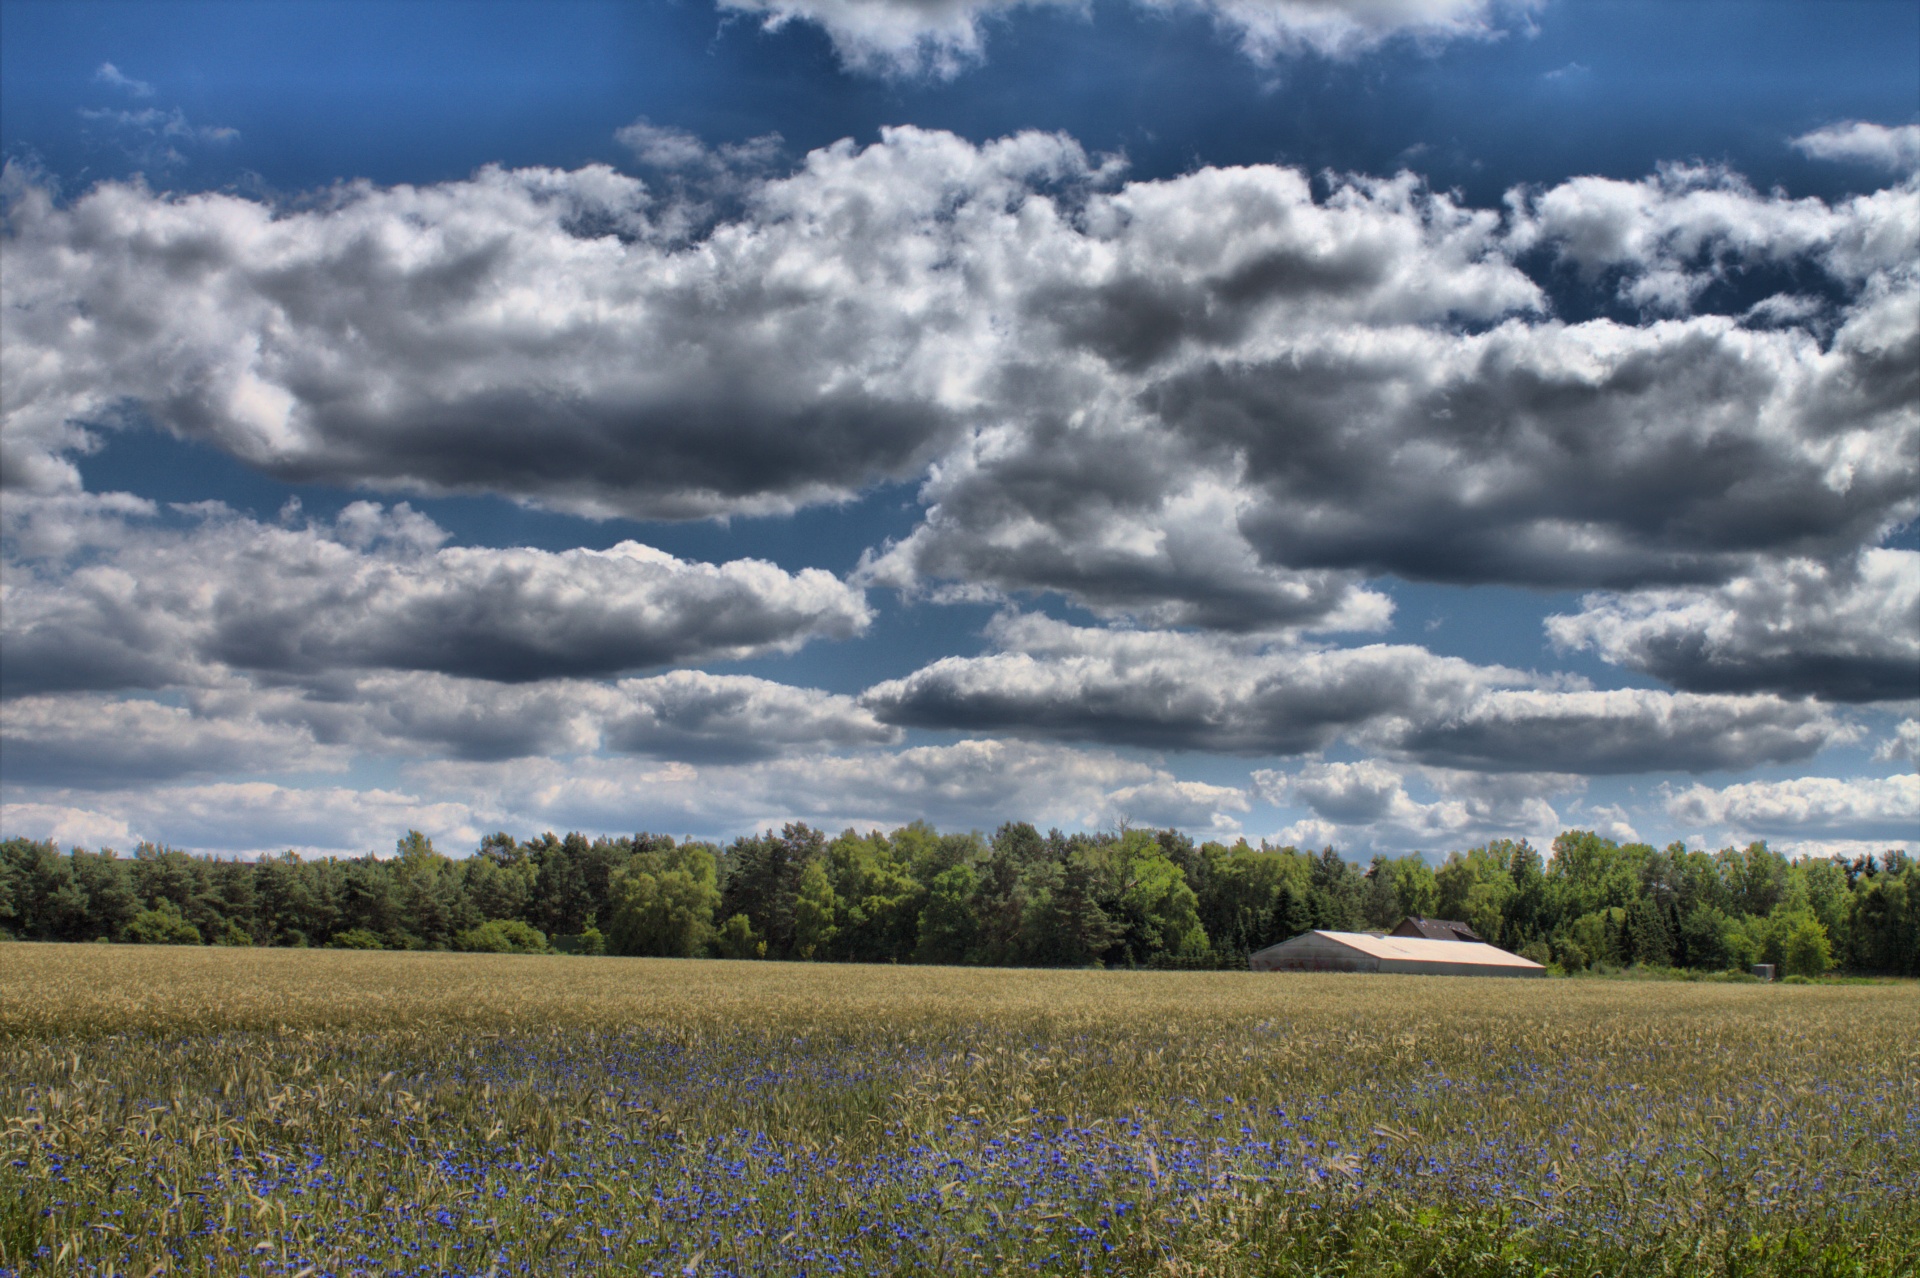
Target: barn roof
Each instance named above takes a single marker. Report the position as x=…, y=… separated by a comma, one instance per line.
x=1365, y=952
x=1437, y=930
x=1422, y=950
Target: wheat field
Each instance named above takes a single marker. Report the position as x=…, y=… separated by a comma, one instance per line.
x=209, y=1111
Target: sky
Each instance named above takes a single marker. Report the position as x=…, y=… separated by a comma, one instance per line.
x=1386, y=424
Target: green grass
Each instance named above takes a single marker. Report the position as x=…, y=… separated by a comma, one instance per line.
x=205, y=1111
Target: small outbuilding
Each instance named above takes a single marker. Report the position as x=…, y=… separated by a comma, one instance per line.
x=1437, y=930
x=1365, y=952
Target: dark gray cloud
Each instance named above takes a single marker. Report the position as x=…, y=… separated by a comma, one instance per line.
x=374, y=589
x=1172, y=690
x=1624, y=731
x=1558, y=456
x=242, y=729
x=1846, y=632
x=1182, y=691
x=1048, y=509
x=703, y=718
x=1255, y=492
x=284, y=648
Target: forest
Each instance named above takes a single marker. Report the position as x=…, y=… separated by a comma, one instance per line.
x=1133, y=898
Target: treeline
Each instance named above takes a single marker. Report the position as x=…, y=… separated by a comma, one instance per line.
x=1138, y=898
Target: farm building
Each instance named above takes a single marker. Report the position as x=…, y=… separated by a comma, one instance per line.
x=1363, y=952
x=1437, y=930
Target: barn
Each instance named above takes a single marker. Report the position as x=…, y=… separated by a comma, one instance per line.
x=1365, y=952
x=1436, y=930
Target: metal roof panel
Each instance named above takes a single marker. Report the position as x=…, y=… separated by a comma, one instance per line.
x=1420, y=950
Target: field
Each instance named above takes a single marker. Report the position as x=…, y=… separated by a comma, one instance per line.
x=190, y=1110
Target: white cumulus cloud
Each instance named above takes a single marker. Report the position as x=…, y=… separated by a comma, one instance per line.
x=1808, y=809
x=1366, y=805
x=150, y=606
x=1904, y=743
x=1863, y=142
x=1175, y=690
x=1219, y=399
x=942, y=37
x=1846, y=632
x=246, y=818
x=95, y=741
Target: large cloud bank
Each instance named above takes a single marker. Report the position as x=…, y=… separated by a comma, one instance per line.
x=1205, y=410
x=1213, y=400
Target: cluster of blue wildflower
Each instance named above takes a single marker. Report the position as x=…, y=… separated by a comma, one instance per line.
x=750, y=1188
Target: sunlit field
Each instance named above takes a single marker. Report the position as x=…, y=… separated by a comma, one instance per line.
x=198, y=1110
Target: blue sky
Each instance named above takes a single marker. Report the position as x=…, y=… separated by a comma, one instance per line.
x=1392, y=423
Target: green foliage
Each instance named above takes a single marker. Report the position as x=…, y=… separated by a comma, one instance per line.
x=1705, y=939
x=1398, y=888
x=763, y=883
x=1570, y=955
x=876, y=895
x=948, y=933
x=737, y=940
x=1805, y=951
x=1644, y=934
x=1235, y=889
x=1747, y=941
x=814, y=906
x=1597, y=935
x=590, y=943
x=1129, y=898
x=1335, y=891
x=662, y=902
x=1075, y=930
x=1158, y=914
x=161, y=925
x=1884, y=917
x=1589, y=874
x=1290, y=914
x=502, y=936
